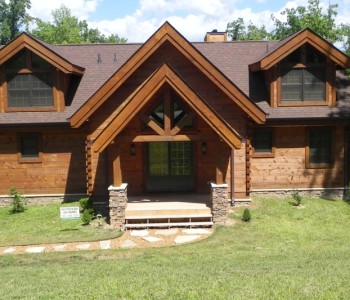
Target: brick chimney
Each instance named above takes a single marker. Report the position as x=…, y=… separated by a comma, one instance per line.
x=216, y=36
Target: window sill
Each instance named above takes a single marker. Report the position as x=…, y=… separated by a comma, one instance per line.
x=30, y=109
x=301, y=103
x=33, y=160
x=263, y=155
x=319, y=166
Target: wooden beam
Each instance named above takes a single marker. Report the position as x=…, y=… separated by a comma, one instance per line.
x=165, y=138
x=114, y=166
x=153, y=125
x=219, y=177
x=182, y=123
x=167, y=112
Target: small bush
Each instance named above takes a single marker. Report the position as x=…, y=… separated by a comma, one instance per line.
x=296, y=196
x=18, y=201
x=87, y=216
x=246, y=217
x=84, y=204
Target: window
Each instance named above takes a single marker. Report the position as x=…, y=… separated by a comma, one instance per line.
x=303, y=76
x=307, y=84
x=319, y=149
x=29, y=82
x=29, y=147
x=263, y=143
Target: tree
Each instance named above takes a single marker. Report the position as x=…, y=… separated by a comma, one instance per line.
x=238, y=31
x=311, y=16
x=67, y=29
x=13, y=17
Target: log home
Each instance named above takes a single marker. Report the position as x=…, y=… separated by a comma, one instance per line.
x=227, y=120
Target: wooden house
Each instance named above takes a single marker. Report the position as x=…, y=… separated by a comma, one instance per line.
x=224, y=119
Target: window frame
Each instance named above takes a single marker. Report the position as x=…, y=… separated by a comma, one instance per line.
x=28, y=69
x=310, y=165
x=266, y=154
x=24, y=159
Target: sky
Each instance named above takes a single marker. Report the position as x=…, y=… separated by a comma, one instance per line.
x=137, y=20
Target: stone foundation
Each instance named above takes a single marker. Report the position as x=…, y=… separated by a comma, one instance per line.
x=331, y=193
x=44, y=199
x=117, y=204
x=219, y=196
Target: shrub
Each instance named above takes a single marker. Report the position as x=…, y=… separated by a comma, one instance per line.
x=296, y=196
x=18, y=201
x=246, y=217
x=87, y=216
x=84, y=203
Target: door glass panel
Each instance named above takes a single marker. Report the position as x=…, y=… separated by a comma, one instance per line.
x=180, y=159
x=158, y=159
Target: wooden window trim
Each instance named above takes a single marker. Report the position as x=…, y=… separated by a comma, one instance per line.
x=56, y=90
x=307, y=151
x=273, y=148
x=22, y=159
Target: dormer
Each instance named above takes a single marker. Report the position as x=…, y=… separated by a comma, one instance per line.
x=301, y=71
x=33, y=77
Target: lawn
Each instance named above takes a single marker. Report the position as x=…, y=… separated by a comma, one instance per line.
x=42, y=224
x=285, y=252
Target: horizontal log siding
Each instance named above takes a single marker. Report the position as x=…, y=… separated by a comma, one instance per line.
x=61, y=171
x=287, y=169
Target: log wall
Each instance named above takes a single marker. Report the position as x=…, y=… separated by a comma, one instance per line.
x=62, y=169
x=288, y=170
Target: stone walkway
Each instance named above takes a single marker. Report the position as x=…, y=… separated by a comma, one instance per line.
x=130, y=239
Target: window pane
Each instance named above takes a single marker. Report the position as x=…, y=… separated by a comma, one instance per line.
x=320, y=146
x=30, y=90
x=262, y=142
x=158, y=158
x=314, y=85
x=29, y=146
x=180, y=158
x=292, y=85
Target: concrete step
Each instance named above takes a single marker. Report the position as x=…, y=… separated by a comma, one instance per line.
x=166, y=212
x=171, y=216
x=166, y=225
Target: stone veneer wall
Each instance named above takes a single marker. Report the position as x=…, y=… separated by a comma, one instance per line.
x=327, y=193
x=219, y=196
x=117, y=204
x=44, y=199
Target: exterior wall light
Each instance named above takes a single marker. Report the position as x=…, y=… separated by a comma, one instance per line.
x=132, y=150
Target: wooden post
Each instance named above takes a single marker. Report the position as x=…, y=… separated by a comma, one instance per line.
x=219, y=172
x=115, y=172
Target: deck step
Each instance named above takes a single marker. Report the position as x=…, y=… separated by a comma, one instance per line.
x=183, y=216
x=167, y=212
x=172, y=224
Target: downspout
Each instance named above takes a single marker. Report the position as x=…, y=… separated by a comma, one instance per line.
x=346, y=163
x=232, y=177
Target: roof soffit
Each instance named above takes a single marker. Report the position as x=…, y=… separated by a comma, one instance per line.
x=26, y=41
x=146, y=91
x=167, y=33
x=303, y=37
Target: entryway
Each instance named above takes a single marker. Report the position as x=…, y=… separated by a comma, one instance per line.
x=170, y=167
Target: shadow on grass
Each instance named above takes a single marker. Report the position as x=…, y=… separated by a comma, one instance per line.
x=70, y=229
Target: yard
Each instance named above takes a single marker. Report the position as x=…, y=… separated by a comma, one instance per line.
x=285, y=252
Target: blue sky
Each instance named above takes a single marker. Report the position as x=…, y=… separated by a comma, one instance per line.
x=137, y=20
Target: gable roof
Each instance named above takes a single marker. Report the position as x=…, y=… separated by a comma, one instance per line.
x=167, y=33
x=286, y=46
x=137, y=100
x=41, y=49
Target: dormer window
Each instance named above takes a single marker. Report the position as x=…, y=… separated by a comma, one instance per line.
x=303, y=77
x=30, y=82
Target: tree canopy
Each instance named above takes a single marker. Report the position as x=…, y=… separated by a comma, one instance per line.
x=312, y=16
x=13, y=16
x=67, y=29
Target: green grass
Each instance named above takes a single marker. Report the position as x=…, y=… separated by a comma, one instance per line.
x=42, y=224
x=285, y=252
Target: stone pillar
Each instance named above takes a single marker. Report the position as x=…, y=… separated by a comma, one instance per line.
x=219, y=196
x=117, y=203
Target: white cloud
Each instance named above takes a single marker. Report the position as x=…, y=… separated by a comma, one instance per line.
x=80, y=8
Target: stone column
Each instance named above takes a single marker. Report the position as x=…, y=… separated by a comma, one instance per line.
x=219, y=196
x=117, y=203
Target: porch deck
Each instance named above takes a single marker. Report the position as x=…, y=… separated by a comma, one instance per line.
x=168, y=210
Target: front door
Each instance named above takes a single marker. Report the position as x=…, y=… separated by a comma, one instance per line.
x=170, y=167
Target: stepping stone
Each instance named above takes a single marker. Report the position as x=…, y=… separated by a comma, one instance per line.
x=166, y=232
x=139, y=233
x=128, y=244
x=35, y=249
x=9, y=250
x=83, y=246
x=105, y=244
x=59, y=247
x=151, y=239
x=181, y=239
x=196, y=231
